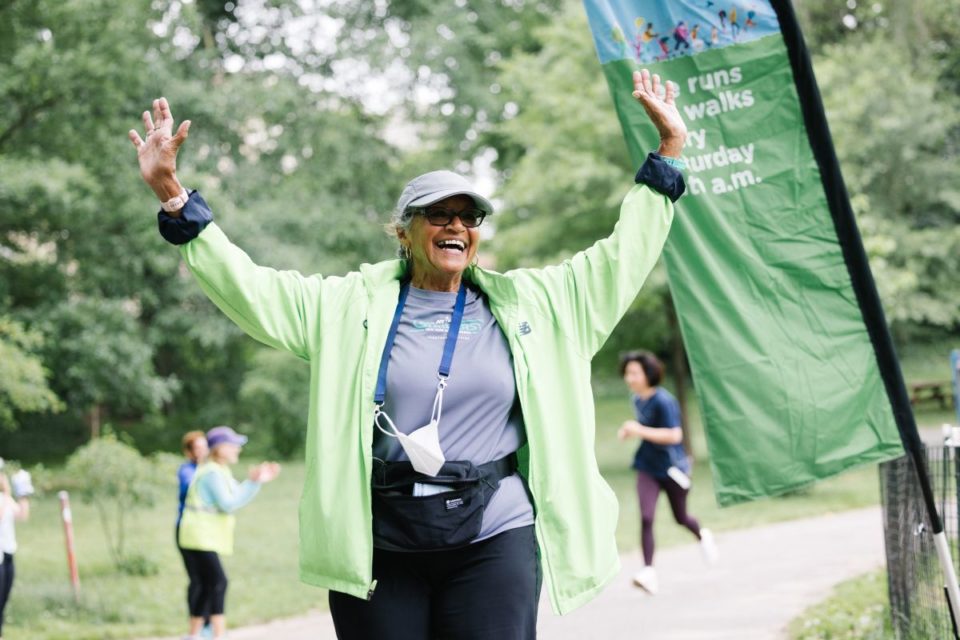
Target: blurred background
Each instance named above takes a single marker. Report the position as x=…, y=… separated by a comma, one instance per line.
x=308, y=118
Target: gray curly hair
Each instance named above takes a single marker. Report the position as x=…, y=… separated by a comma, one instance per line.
x=400, y=220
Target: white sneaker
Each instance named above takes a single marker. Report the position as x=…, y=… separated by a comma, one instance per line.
x=646, y=579
x=708, y=547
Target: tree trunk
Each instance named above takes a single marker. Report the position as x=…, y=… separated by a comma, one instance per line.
x=93, y=421
x=678, y=366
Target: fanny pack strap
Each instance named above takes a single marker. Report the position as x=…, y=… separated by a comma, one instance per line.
x=491, y=472
x=497, y=470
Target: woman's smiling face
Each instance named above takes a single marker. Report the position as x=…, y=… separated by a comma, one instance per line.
x=441, y=254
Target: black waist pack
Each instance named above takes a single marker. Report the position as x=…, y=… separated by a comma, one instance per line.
x=403, y=521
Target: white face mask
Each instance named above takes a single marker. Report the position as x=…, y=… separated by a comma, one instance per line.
x=422, y=446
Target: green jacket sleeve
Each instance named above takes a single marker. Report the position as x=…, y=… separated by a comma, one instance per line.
x=588, y=294
x=278, y=308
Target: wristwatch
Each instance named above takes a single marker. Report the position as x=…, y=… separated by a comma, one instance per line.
x=175, y=203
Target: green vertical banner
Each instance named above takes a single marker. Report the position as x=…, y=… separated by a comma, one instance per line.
x=788, y=347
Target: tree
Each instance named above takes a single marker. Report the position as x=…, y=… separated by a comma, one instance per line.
x=566, y=169
x=23, y=378
x=899, y=156
x=297, y=176
x=274, y=398
x=117, y=480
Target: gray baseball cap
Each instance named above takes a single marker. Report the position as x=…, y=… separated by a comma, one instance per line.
x=433, y=187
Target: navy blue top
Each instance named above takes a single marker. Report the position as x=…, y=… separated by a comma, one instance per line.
x=184, y=476
x=660, y=411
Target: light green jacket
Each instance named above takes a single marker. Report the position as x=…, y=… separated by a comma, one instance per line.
x=555, y=319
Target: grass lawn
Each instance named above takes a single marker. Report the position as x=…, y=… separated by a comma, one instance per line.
x=263, y=573
x=855, y=610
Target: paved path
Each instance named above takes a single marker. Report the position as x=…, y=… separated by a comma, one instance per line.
x=766, y=577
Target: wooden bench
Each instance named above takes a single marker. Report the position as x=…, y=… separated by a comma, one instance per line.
x=929, y=390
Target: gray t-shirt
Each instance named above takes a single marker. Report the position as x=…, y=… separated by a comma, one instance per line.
x=481, y=419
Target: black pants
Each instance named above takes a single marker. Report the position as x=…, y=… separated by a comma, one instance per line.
x=193, y=575
x=208, y=583
x=484, y=591
x=6, y=584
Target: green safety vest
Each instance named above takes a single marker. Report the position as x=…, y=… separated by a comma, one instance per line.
x=204, y=527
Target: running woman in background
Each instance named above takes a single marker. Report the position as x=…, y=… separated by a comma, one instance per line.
x=661, y=462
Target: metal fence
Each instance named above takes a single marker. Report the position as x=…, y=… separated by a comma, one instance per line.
x=918, y=603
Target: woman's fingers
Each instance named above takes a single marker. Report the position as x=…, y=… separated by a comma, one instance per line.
x=647, y=85
x=182, y=132
x=147, y=123
x=166, y=118
x=135, y=138
x=157, y=117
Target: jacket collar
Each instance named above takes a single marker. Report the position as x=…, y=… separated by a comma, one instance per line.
x=381, y=277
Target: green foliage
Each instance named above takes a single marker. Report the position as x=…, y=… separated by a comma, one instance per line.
x=443, y=59
x=103, y=357
x=297, y=176
x=23, y=379
x=900, y=161
x=117, y=480
x=274, y=399
x=566, y=172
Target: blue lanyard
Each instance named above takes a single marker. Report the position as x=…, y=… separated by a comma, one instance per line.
x=448, y=348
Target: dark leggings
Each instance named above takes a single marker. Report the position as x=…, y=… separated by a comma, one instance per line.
x=208, y=583
x=484, y=591
x=193, y=574
x=648, y=490
x=6, y=584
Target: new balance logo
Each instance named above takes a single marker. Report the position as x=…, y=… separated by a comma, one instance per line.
x=524, y=328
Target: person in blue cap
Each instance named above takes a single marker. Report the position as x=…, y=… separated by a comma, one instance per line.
x=207, y=524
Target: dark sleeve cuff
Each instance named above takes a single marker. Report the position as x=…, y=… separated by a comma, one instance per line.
x=661, y=177
x=194, y=218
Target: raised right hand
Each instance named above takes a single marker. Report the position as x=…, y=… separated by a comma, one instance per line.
x=157, y=153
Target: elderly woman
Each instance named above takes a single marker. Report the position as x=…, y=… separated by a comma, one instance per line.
x=449, y=451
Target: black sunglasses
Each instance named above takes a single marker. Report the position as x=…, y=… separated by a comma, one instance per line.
x=441, y=217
